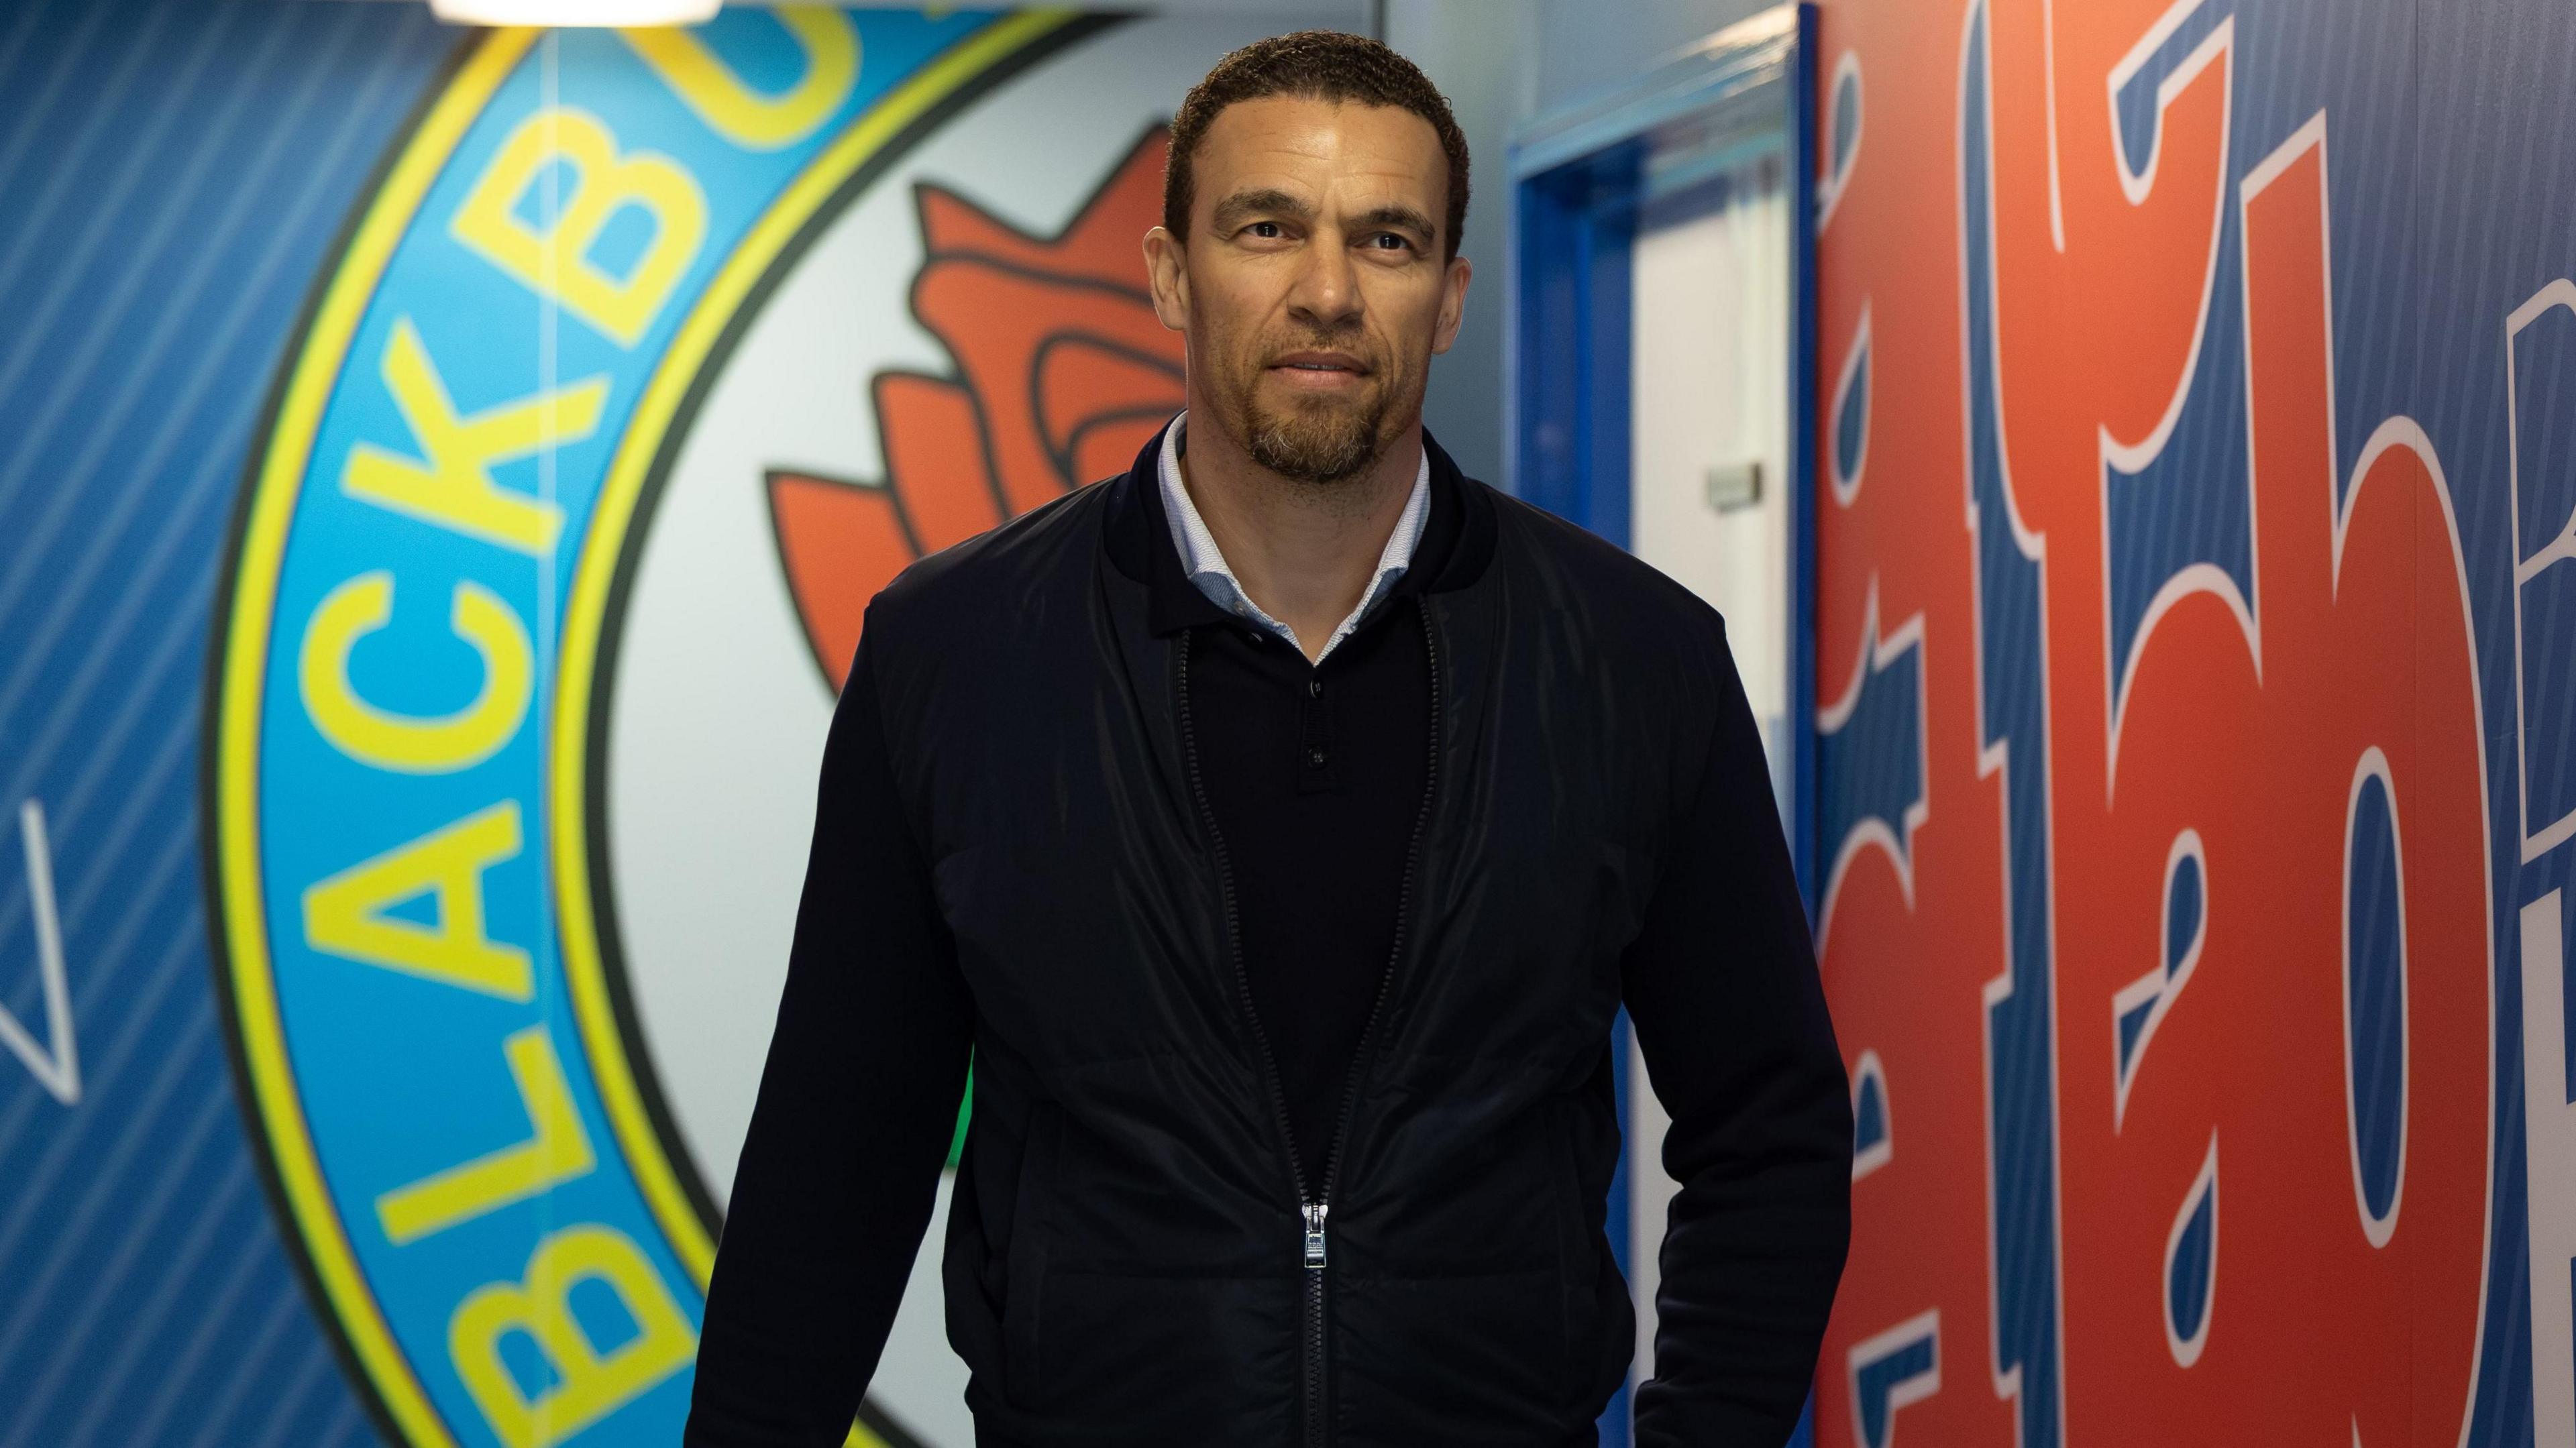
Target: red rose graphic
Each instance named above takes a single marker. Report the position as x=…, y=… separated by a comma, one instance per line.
x=1062, y=374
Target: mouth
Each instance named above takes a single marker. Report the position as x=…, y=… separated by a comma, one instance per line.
x=1318, y=369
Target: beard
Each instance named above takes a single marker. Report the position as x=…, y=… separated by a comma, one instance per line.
x=1318, y=440
x=1321, y=441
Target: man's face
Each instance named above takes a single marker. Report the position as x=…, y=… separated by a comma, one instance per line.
x=1312, y=287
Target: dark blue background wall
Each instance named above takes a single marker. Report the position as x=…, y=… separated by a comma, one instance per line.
x=172, y=177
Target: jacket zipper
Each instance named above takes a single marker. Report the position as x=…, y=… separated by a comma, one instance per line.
x=1314, y=1209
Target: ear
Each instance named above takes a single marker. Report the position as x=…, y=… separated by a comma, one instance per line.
x=1167, y=274
x=1453, y=302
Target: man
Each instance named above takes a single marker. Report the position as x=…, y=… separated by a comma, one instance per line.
x=1282, y=826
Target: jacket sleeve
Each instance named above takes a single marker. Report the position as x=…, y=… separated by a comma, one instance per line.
x=857, y=1106
x=1722, y=990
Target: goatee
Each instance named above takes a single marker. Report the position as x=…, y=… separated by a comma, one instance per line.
x=1320, y=444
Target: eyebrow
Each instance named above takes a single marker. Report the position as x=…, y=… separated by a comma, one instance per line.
x=1250, y=203
x=1395, y=215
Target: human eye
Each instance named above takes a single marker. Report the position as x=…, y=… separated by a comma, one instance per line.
x=1266, y=230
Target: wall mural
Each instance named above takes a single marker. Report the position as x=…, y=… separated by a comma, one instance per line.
x=2198, y=743
x=649, y=359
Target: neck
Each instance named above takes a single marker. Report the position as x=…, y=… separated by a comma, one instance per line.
x=1304, y=552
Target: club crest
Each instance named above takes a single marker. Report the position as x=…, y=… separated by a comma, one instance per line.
x=652, y=356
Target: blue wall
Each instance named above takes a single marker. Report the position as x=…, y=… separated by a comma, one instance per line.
x=172, y=177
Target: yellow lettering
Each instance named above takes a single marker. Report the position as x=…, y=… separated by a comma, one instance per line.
x=414, y=744
x=556, y=262
x=745, y=116
x=589, y=1384
x=345, y=913
x=557, y=1150
x=451, y=484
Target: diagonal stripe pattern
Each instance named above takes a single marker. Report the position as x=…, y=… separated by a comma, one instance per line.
x=174, y=176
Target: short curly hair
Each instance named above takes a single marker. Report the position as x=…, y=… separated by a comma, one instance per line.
x=1326, y=65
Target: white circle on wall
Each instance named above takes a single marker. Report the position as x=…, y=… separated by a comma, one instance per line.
x=837, y=436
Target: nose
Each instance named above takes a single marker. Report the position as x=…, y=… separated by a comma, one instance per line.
x=1326, y=294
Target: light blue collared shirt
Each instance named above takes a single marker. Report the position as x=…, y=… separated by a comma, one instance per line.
x=1205, y=563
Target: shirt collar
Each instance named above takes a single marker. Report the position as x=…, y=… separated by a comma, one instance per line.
x=1205, y=564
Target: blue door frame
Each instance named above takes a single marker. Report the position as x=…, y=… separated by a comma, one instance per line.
x=1580, y=185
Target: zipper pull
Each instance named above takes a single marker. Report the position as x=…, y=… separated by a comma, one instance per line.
x=1314, y=1214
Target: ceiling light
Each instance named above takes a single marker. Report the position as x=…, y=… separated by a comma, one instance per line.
x=574, y=12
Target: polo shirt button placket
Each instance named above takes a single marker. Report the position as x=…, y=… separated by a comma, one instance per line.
x=1314, y=740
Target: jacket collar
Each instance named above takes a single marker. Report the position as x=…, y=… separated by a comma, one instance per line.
x=1457, y=539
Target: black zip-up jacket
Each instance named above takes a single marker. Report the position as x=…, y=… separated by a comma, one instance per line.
x=1134, y=1255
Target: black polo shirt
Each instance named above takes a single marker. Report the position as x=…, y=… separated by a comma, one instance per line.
x=1315, y=774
